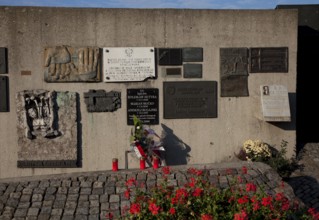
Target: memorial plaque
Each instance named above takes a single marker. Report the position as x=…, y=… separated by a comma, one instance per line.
x=47, y=129
x=4, y=94
x=233, y=62
x=101, y=101
x=72, y=64
x=144, y=104
x=192, y=54
x=275, y=103
x=170, y=56
x=3, y=60
x=173, y=72
x=122, y=64
x=193, y=70
x=233, y=72
x=271, y=59
x=191, y=99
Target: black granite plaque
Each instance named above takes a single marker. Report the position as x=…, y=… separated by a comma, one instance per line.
x=269, y=59
x=173, y=72
x=193, y=70
x=4, y=94
x=191, y=99
x=169, y=56
x=3, y=60
x=144, y=104
x=101, y=101
x=193, y=54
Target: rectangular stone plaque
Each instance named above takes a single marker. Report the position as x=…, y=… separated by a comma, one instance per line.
x=193, y=54
x=144, y=104
x=173, y=72
x=233, y=61
x=193, y=70
x=122, y=64
x=275, y=103
x=269, y=59
x=170, y=56
x=4, y=94
x=191, y=99
x=3, y=60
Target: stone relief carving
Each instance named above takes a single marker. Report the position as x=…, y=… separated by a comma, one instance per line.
x=39, y=113
x=68, y=64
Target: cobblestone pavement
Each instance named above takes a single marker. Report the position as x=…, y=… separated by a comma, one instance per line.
x=305, y=181
x=93, y=195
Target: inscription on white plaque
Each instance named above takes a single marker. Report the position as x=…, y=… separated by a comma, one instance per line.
x=128, y=63
x=275, y=103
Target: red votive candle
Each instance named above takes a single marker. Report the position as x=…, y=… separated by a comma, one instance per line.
x=155, y=162
x=142, y=163
x=115, y=165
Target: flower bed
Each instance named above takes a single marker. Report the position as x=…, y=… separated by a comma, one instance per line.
x=199, y=199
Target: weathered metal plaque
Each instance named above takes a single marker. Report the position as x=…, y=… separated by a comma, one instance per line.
x=191, y=99
x=3, y=60
x=144, y=104
x=4, y=94
x=122, y=64
x=275, y=103
x=193, y=70
x=233, y=72
x=193, y=54
x=271, y=59
x=170, y=56
x=72, y=64
x=233, y=61
x=101, y=101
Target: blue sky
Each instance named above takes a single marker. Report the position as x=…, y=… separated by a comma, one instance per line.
x=196, y=4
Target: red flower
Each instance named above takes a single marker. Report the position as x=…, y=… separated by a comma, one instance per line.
x=109, y=215
x=250, y=187
x=244, y=170
x=166, y=170
x=135, y=208
x=127, y=193
x=172, y=211
x=153, y=208
x=239, y=179
x=197, y=192
x=206, y=217
x=195, y=171
x=279, y=196
x=243, y=200
x=241, y=216
x=192, y=182
x=131, y=182
x=266, y=201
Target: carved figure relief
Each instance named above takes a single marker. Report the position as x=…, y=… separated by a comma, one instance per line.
x=39, y=114
x=68, y=64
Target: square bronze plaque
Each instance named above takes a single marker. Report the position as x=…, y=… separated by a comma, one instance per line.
x=191, y=99
x=269, y=59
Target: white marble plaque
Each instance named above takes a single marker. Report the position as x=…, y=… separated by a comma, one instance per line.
x=122, y=64
x=275, y=103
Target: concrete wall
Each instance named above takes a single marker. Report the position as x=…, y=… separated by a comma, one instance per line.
x=27, y=31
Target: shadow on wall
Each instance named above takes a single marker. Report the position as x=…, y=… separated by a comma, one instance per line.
x=177, y=152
